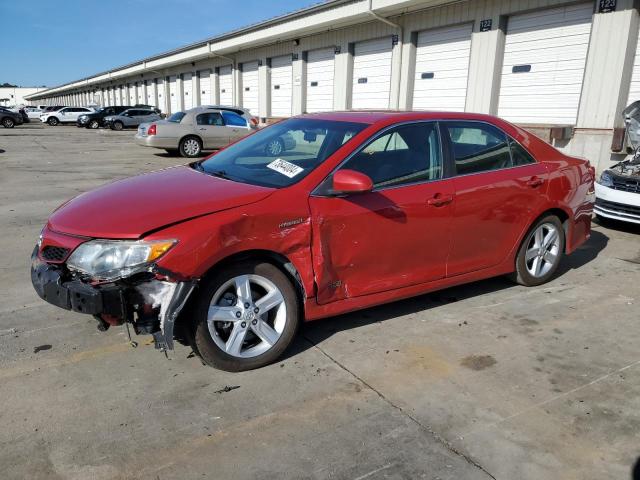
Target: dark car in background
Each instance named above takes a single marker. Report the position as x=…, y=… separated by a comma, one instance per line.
x=96, y=119
x=9, y=119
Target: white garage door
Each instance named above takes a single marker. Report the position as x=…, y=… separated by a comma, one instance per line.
x=132, y=94
x=320, y=75
x=372, y=74
x=205, y=88
x=250, y=93
x=160, y=90
x=110, y=97
x=634, y=88
x=544, y=59
x=225, y=84
x=281, y=86
x=173, y=94
x=121, y=96
x=151, y=93
x=140, y=93
x=187, y=90
x=442, y=68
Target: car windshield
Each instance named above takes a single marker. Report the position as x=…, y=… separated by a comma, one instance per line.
x=281, y=154
x=176, y=117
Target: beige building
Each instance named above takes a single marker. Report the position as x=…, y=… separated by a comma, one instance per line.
x=564, y=69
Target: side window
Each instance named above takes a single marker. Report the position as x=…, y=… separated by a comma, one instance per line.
x=478, y=147
x=519, y=155
x=233, y=119
x=211, y=118
x=405, y=154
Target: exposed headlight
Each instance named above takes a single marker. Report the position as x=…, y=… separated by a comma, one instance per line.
x=113, y=259
x=605, y=179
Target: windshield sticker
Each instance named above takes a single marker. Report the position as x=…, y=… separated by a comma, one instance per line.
x=285, y=168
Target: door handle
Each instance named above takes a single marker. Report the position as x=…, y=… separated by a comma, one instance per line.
x=535, y=182
x=439, y=200
x=203, y=129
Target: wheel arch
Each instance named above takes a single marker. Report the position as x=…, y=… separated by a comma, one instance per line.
x=269, y=256
x=279, y=260
x=189, y=135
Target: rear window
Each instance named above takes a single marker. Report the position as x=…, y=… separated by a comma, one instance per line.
x=233, y=119
x=176, y=117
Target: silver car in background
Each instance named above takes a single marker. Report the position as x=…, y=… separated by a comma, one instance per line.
x=131, y=118
x=208, y=127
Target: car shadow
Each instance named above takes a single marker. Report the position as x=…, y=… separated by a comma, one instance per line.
x=314, y=333
x=626, y=227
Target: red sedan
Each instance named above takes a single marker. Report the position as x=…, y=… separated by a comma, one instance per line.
x=367, y=207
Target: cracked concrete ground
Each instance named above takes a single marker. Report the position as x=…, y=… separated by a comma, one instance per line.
x=488, y=380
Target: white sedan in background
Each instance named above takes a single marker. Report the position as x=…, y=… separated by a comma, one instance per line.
x=618, y=192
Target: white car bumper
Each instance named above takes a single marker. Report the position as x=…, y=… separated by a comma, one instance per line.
x=617, y=204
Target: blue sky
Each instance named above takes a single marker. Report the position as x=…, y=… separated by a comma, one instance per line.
x=50, y=42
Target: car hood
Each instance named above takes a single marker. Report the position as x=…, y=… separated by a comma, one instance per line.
x=132, y=207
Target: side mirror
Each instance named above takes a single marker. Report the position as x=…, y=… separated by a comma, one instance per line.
x=350, y=181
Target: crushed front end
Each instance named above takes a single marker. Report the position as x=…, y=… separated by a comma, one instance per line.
x=65, y=271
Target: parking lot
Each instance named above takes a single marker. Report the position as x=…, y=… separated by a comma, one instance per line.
x=488, y=380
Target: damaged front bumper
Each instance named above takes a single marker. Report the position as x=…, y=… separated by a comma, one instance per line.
x=150, y=302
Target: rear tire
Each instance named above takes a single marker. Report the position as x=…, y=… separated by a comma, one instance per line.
x=8, y=122
x=540, y=253
x=261, y=336
x=53, y=121
x=190, y=147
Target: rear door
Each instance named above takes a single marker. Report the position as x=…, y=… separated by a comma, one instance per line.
x=235, y=126
x=499, y=187
x=394, y=236
x=210, y=127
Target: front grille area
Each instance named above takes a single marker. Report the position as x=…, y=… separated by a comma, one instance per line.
x=618, y=207
x=626, y=184
x=54, y=254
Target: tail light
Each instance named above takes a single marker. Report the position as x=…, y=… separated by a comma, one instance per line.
x=254, y=121
x=152, y=129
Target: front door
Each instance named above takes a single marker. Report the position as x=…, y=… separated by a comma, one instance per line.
x=394, y=236
x=498, y=189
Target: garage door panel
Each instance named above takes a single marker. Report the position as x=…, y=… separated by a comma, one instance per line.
x=173, y=94
x=442, y=68
x=634, y=88
x=204, y=77
x=225, y=81
x=250, y=87
x=554, y=43
x=187, y=90
x=281, y=86
x=372, y=74
x=320, y=79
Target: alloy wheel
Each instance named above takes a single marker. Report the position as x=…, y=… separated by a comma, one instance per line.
x=191, y=147
x=8, y=123
x=94, y=124
x=542, y=250
x=247, y=315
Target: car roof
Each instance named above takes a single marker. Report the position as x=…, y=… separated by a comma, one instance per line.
x=375, y=116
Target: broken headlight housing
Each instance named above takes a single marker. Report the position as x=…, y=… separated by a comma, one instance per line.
x=605, y=179
x=109, y=260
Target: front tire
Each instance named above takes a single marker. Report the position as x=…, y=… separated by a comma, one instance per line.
x=53, y=121
x=93, y=124
x=540, y=253
x=117, y=126
x=8, y=122
x=245, y=317
x=190, y=147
